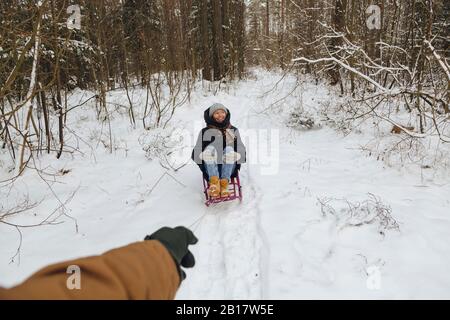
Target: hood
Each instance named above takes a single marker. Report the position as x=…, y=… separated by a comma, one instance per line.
x=210, y=121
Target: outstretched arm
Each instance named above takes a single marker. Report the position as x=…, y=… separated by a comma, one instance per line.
x=142, y=270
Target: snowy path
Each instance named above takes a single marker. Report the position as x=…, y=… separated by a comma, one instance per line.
x=228, y=254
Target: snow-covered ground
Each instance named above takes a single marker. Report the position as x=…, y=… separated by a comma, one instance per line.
x=298, y=233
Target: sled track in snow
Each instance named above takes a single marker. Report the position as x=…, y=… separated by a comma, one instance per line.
x=229, y=253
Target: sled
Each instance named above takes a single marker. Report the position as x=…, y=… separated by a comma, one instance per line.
x=234, y=189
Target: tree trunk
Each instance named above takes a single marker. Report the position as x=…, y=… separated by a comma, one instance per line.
x=218, y=59
x=339, y=26
x=205, y=44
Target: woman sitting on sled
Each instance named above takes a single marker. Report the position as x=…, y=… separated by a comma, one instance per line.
x=219, y=150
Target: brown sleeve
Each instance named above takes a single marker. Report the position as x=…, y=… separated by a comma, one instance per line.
x=141, y=270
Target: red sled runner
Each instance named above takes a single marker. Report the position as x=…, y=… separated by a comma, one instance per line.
x=234, y=188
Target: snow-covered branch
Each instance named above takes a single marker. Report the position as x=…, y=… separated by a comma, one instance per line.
x=442, y=62
x=345, y=66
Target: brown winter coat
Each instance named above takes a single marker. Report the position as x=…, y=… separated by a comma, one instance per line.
x=141, y=270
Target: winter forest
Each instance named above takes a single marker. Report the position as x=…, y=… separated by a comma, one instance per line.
x=343, y=191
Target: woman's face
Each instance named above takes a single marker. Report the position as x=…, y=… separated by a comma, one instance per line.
x=219, y=116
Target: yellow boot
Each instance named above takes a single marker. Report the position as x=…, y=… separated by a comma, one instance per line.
x=224, y=188
x=214, y=187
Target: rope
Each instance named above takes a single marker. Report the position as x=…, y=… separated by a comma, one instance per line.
x=197, y=221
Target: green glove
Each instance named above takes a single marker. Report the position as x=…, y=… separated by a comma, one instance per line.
x=176, y=242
